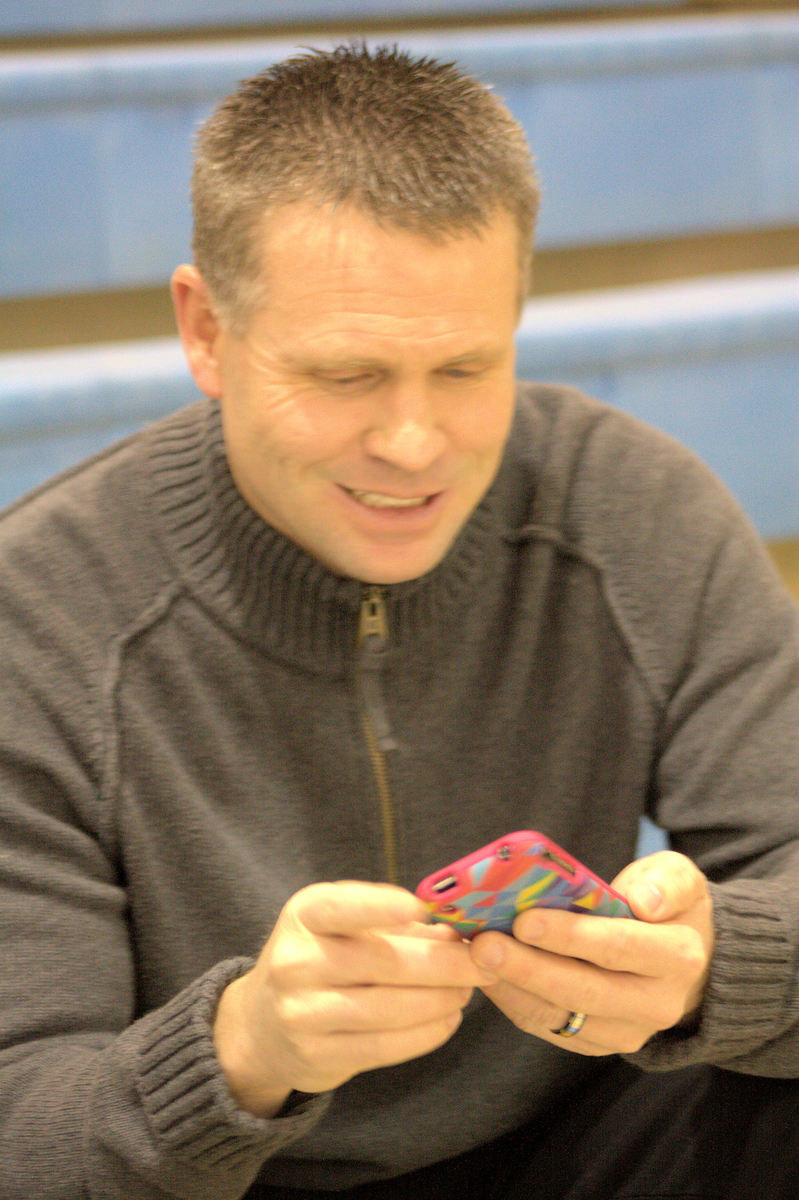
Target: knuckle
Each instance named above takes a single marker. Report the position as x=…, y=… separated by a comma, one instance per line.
x=310, y=896
x=523, y=969
x=467, y=995
x=439, y=1032
x=665, y=1007
x=309, y=1058
x=535, y=1017
x=670, y=1014
x=632, y=1039
x=619, y=949
x=323, y=900
x=526, y=1023
x=286, y=970
x=457, y=1001
x=525, y=978
x=691, y=954
x=593, y=995
x=450, y=1025
x=289, y=1015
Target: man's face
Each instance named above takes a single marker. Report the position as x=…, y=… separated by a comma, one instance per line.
x=368, y=403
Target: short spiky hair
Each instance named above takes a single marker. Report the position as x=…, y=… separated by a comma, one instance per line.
x=412, y=142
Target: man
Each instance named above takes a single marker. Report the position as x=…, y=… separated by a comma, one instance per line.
x=369, y=606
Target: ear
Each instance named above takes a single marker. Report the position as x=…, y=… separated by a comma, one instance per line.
x=199, y=328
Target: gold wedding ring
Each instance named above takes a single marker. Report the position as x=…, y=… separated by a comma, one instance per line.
x=573, y=1025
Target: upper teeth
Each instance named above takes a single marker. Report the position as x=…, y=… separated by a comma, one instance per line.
x=378, y=500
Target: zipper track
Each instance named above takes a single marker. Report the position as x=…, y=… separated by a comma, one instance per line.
x=387, y=818
x=372, y=642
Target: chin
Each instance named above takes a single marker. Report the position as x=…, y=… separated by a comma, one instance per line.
x=387, y=573
x=386, y=564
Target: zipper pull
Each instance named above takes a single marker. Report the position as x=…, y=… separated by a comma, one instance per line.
x=373, y=620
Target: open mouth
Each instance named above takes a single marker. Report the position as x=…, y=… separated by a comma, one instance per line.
x=381, y=500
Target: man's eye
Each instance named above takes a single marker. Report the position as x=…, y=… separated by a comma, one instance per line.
x=462, y=372
x=358, y=379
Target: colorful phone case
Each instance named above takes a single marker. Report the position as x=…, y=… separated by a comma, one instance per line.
x=489, y=888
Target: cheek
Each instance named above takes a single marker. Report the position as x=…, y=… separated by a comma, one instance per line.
x=293, y=429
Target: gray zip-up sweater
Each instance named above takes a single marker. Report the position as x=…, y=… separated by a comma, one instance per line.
x=191, y=730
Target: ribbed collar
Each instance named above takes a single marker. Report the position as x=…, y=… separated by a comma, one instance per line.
x=265, y=587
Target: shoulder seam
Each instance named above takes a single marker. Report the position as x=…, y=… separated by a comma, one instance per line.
x=555, y=538
x=153, y=612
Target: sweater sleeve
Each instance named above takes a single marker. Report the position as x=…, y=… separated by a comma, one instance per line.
x=727, y=790
x=94, y=1104
x=183, y=1131
x=102, y=1094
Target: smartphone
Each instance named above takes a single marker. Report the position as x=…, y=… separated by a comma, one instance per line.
x=490, y=887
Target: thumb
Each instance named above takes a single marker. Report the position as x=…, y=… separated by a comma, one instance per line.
x=661, y=886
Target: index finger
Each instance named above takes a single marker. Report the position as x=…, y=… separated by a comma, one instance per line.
x=349, y=907
x=612, y=943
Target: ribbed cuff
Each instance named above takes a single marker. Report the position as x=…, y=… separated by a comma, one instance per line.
x=189, y=1107
x=746, y=998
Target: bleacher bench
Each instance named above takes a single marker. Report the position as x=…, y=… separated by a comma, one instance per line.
x=47, y=17
x=642, y=129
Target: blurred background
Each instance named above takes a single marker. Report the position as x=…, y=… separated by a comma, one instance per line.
x=667, y=277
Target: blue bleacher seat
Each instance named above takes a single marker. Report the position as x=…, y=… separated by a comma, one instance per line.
x=59, y=406
x=18, y=17
x=642, y=129
x=712, y=361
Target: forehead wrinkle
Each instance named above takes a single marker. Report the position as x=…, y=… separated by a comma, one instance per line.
x=360, y=346
x=342, y=253
x=346, y=315
x=320, y=358
x=352, y=293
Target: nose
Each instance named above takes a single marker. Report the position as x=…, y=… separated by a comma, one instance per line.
x=405, y=430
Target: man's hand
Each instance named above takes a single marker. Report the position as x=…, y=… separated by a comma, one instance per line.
x=351, y=979
x=632, y=978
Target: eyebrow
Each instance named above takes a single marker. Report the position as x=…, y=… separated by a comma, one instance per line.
x=331, y=362
x=348, y=362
